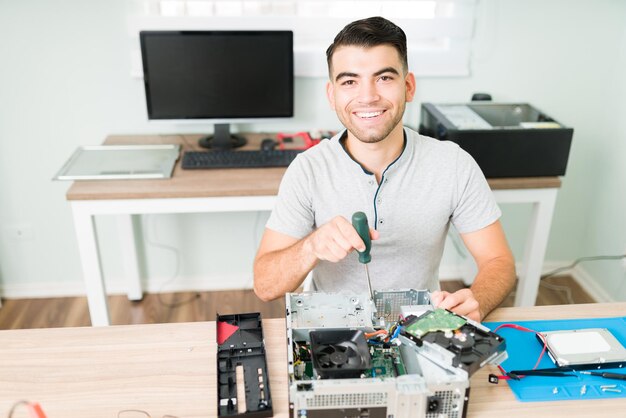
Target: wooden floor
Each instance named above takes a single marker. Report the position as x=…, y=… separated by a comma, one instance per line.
x=201, y=306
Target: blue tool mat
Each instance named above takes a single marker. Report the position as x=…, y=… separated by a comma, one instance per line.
x=524, y=348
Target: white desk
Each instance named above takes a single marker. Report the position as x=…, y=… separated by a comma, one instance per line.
x=235, y=190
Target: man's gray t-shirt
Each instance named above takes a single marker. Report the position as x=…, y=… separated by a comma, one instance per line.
x=431, y=184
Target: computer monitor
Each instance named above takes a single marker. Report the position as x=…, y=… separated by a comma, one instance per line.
x=218, y=76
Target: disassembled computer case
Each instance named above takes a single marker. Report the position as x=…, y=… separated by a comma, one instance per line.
x=241, y=350
x=392, y=356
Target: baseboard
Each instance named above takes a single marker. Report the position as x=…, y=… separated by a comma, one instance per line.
x=117, y=286
x=590, y=285
x=35, y=290
x=581, y=276
x=586, y=281
x=241, y=281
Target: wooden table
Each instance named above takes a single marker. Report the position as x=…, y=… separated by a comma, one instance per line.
x=171, y=369
x=234, y=190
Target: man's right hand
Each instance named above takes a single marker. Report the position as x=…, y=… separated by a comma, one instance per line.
x=336, y=239
x=283, y=262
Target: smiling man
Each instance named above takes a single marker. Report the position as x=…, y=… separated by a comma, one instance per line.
x=411, y=187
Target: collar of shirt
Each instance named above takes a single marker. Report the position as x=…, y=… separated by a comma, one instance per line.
x=342, y=141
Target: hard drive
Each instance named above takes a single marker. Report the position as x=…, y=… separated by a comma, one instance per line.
x=591, y=347
x=455, y=340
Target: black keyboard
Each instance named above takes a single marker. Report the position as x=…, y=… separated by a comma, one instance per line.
x=238, y=159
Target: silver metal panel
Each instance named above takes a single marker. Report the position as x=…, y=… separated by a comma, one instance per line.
x=584, y=346
x=118, y=162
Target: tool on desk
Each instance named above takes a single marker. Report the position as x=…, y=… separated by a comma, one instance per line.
x=607, y=375
x=359, y=221
x=548, y=372
x=301, y=140
x=566, y=371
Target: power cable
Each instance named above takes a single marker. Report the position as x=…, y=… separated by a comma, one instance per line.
x=151, y=231
x=581, y=259
x=255, y=241
x=560, y=288
x=566, y=289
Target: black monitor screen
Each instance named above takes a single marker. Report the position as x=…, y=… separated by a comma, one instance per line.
x=218, y=74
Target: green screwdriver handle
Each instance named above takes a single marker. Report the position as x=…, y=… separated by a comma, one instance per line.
x=359, y=222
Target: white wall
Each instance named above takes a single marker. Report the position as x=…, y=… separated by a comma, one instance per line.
x=65, y=81
x=605, y=224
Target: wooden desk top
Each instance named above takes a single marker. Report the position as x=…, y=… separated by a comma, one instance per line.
x=220, y=182
x=171, y=369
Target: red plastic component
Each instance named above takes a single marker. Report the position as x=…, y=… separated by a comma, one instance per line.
x=224, y=331
x=306, y=143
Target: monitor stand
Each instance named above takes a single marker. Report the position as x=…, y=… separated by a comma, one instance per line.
x=222, y=139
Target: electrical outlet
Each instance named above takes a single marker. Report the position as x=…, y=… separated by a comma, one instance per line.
x=22, y=232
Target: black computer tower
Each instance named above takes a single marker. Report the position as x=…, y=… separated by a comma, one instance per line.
x=506, y=140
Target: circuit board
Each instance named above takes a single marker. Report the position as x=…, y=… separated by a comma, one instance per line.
x=303, y=366
x=436, y=320
x=386, y=362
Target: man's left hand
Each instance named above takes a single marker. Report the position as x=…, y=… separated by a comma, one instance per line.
x=461, y=302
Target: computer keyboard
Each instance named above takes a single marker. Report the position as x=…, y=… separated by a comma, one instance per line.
x=238, y=159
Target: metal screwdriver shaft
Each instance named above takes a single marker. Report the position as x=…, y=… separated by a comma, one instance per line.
x=359, y=221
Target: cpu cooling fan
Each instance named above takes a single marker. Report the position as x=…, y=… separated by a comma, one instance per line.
x=339, y=353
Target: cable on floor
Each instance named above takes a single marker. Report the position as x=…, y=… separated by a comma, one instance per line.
x=580, y=260
x=256, y=238
x=150, y=233
x=566, y=289
x=559, y=288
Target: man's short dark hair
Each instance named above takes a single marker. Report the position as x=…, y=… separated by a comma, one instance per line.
x=368, y=33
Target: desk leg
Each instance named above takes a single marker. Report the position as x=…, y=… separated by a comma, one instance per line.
x=90, y=260
x=535, y=250
x=129, y=256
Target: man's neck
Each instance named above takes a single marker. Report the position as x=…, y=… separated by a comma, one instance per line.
x=376, y=157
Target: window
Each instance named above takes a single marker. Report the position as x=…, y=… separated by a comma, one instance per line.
x=439, y=32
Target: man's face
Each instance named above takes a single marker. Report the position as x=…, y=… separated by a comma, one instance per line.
x=368, y=90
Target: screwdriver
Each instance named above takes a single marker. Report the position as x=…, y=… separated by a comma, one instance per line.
x=359, y=222
x=607, y=375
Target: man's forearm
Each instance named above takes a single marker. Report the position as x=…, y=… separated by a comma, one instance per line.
x=493, y=283
x=282, y=271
